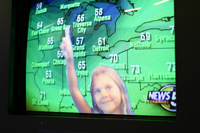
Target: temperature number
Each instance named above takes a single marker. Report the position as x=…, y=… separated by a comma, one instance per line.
x=39, y=25
x=81, y=65
x=171, y=66
x=101, y=41
x=145, y=36
x=49, y=74
x=60, y=54
x=135, y=69
x=79, y=40
x=99, y=12
x=42, y=95
x=172, y=29
x=60, y=21
x=80, y=18
x=113, y=58
x=50, y=40
x=39, y=6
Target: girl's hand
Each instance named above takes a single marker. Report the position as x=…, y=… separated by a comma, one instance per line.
x=66, y=46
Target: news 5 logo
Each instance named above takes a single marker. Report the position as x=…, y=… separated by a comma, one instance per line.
x=166, y=97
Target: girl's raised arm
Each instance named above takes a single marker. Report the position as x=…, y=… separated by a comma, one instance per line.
x=72, y=80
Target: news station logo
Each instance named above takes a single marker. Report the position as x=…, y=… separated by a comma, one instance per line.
x=166, y=97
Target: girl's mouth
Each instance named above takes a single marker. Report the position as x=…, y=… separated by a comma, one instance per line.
x=107, y=101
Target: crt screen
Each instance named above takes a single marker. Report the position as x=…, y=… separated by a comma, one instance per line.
x=130, y=44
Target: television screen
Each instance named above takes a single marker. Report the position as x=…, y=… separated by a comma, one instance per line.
x=101, y=57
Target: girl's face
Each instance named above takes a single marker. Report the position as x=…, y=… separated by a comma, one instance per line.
x=107, y=94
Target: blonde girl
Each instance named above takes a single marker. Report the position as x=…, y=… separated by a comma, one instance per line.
x=109, y=93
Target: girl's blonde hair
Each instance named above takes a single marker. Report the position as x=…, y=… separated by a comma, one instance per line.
x=114, y=75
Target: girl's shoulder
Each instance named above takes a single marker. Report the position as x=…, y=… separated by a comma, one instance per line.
x=94, y=111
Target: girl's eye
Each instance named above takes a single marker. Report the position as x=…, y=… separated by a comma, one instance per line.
x=108, y=87
x=97, y=91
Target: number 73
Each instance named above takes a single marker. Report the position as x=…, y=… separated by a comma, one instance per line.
x=136, y=69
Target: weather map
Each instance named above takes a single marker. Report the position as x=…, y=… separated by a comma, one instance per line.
x=135, y=37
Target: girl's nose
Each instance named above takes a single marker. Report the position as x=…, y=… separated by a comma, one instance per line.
x=104, y=94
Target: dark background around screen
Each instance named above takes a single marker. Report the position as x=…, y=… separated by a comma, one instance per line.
x=187, y=32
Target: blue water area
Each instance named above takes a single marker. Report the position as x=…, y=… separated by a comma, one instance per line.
x=108, y=9
x=72, y=15
x=34, y=2
x=125, y=5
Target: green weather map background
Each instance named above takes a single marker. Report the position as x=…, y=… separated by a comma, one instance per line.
x=135, y=37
